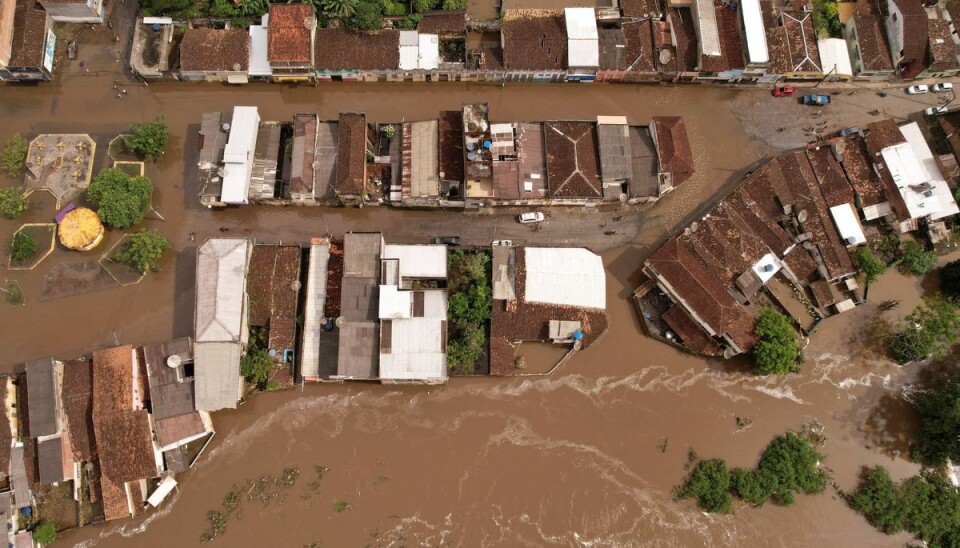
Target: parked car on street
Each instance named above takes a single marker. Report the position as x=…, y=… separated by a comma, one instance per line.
x=502, y=243
x=530, y=217
x=918, y=89
x=816, y=100
x=942, y=86
x=447, y=240
x=783, y=91
x=847, y=131
x=936, y=111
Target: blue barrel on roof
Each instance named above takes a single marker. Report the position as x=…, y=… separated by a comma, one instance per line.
x=329, y=325
x=578, y=335
x=487, y=144
x=156, y=27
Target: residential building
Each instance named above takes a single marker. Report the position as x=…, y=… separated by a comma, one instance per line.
x=74, y=11
x=215, y=55
x=291, y=32
x=359, y=347
x=151, y=48
x=757, y=55
x=259, y=62
x=128, y=456
x=675, y=160
x=7, y=16
x=942, y=56
x=350, y=55
x=221, y=325
x=908, y=35
x=47, y=420
x=866, y=37
x=583, y=44
x=835, y=59
x=535, y=45
x=319, y=346
x=791, y=40
x=32, y=45
x=273, y=282
x=573, y=167
x=238, y=155
x=351, y=171
x=544, y=295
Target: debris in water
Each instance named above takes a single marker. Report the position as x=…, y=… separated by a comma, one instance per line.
x=341, y=506
x=743, y=423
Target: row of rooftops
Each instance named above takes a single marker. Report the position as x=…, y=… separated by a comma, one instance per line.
x=796, y=216
x=442, y=159
x=121, y=418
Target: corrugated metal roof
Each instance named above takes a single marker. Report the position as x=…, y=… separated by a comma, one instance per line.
x=417, y=349
x=581, y=23
x=418, y=261
x=616, y=161
x=755, y=35
x=429, y=56
x=42, y=390
x=424, y=158
x=314, y=302
x=238, y=155
x=848, y=224
x=221, y=290
x=50, y=460
x=565, y=276
x=707, y=26
x=834, y=56
x=259, y=64
x=583, y=53
x=217, y=375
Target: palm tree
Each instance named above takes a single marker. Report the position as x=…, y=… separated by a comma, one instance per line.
x=342, y=9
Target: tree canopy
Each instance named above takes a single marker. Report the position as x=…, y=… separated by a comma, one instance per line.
x=938, y=437
x=950, y=280
x=14, y=154
x=12, y=202
x=869, y=263
x=709, y=483
x=121, y=200
x=144, y=250
x=915, y=259
x=930, y=330
x=45, y=533
x=777, y=351
x=468, y=307
x=255, y=366
x=149, y=139
x=22, y=246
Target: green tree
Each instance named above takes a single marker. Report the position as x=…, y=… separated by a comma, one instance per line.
x=916, y=260
x=421, y=6
x=879, y=500
x=777, y=350
x=709, y=483
x=950, y=280
x=253, y=8
x=409, y=22
x=467, y=348
x=12, y=202
x=938, y=437
x=222, y=9
x=930, y=330
x=794, y=462
x=454, y=4
x=753, y=486
x=255, y=366
x=45, y=533
x=121, y=200
x=22, y=247
x=14, y=154
x=369, y=15
x=148, y=140
x=869, y=263
x=144, y=250
x=342, y=9
x=932, y=508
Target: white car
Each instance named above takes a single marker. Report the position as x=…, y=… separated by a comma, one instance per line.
x=531, y=217
x=916, y=90
x=942, y=86
x=502, y=243
x=936, y=111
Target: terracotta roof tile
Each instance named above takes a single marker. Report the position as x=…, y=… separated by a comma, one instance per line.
x=691, y=334
x=125, y=444
x=450, y=129
x=685, y=34
x=347, y=49
x=673, y=147
x=833, y=184
x=573, y=166
x=731, y=46
x=77, y=393
x=290, y=33
x=943, y=56
x=534, y=40
x=859, y=170
x=913, y=58
x=112, y=380
x=640, y=51
x=872, y=37
x=114, y=499
x=444, y=23
x=305, y=128
x=639, y=8
x=29, y=35
x=206, y=49
x=174, y=429
x=792, y=44
x=351, y=154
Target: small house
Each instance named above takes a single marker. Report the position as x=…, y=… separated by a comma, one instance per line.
x=215, y=55
x=73, y=11
x=290, y=39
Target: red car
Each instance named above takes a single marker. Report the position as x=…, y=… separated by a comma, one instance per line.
x=785, y=91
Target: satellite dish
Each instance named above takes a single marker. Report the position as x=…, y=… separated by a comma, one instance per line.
x=623, y=198
x=272, y=352
x=802, y=216
x=225, y=127
x=340, y=321
x=851, y=240
x=236, y=67
x=174, y=361
x=665, y=56
x=687, y=232
x=295, y=285
x=694, y=226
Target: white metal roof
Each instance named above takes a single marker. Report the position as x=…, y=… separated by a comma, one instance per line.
x=394, y=303
x=165, y=488
x=570, y=276
x=611, y=120
x=216, y=367
x=767, y=267
x=416, y=350
x=581, y=23
x=221, y=290
x=409, y=38
x=834, y=56
x=756, y=36
x=917, y=176
x=409, y=49
x=848, y=224
x=707, y=27
x=314, y=301
x=418, y=261
x=259, y=65
x=429, y=52
x=238, y=155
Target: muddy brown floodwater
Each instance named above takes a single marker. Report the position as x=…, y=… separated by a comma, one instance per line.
x=571, y=459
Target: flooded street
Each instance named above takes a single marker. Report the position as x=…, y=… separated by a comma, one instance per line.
x=587, y=456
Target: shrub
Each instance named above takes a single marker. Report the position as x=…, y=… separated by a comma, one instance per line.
x=144, y=250
x=753, y=486
x=709, y=483
x=394, y=8
x=14, y=154
x=916, y=260
x=467, y=348
x=148, y=140
x=255, y=366
x=369, y=15
x=420, y=6
x=777, y=351
x=12, y=202
x=950, y=280
x=341, y=506
x=879, y=500
x=22, y=247
x=869, y=263
x=121, y=200
x=938, y=437
x=409, y=22
x=341, y=9
x=454, y=4
x=45, y=533
x=930, y=330
x=793, y=461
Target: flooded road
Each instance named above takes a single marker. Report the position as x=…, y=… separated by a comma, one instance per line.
x=587, y=456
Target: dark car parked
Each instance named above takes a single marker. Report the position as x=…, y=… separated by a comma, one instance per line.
x=447, y=240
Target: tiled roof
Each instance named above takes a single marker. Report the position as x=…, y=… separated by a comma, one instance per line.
x=273, y=301
x=290, y=32
x=126, y=446
x=114, y=499
x=573, y=166
x=304, y=153
x=639, y=8
x=206, y=49
x=6, y=436
x=112, y=380
x=673, y=147
x=351, y=154
x=915, y=38
x=639, y=45
x=833, y=184
x=693, y=337
x=534, y=40
x=612, y=45
x=793, y=44
x=78, y=407
x=685, y=34
x=347, y=49
x=174, y=429
x=731, y=45
x=29, y=444
x=859, y=170
x=450, y=129
x=872, y=37
x=29, y=35
x=171, y=392
x=942, y=53
x=883, y=134
x=443, y=22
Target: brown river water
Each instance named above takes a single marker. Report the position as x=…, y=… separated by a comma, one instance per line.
x=586, y=457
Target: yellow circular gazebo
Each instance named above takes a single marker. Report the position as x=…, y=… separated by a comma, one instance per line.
x=81, y=229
